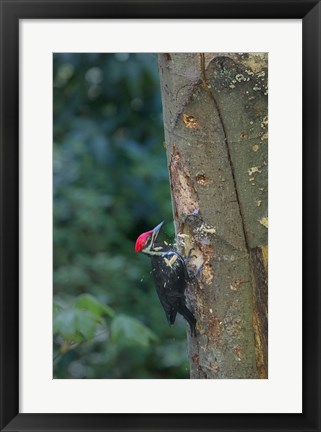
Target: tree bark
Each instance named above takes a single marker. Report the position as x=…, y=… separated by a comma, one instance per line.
x=215, y=120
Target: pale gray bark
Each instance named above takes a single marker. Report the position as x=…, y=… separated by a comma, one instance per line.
x=215, y=119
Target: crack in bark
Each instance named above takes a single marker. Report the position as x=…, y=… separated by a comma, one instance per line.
x=260, y=362
x=212, y=97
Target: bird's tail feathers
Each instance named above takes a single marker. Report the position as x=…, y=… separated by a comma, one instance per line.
x=187, y=314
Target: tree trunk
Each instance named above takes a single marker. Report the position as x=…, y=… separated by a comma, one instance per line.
x=215, y=119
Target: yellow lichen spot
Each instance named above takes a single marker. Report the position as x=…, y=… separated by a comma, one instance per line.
x=190, y=121
x=235, y=285
x=259, y=202
x=264, y=136
x=255, y=147
x=202, y=179
x=264, y=122
x=264, y=221
x=256, y=62
x=253, y=170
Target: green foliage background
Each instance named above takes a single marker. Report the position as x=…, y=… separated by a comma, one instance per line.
x=110, y=184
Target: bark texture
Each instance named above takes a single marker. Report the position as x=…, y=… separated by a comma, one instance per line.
x=215, y=119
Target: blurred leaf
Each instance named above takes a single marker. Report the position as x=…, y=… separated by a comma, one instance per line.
x=86, y=301
x=56, y=308
x=64, y=324
x=75, y=325
x=86, y=323
x=130, y=331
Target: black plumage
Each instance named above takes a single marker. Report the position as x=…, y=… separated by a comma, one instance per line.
x=171, y=276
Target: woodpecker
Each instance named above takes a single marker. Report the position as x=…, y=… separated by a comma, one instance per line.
x=170, y=276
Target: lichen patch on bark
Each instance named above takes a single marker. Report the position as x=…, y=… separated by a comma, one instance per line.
x=190, y=121
x=202, y=179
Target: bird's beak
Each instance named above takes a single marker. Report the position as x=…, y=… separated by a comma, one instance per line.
x=156, y=231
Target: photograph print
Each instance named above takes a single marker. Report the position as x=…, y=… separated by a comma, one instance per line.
x=160, y=215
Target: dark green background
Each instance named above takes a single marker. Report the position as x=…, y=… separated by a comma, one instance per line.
x=110, y=185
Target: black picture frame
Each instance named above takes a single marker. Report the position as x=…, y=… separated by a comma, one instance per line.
x=11, y=12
